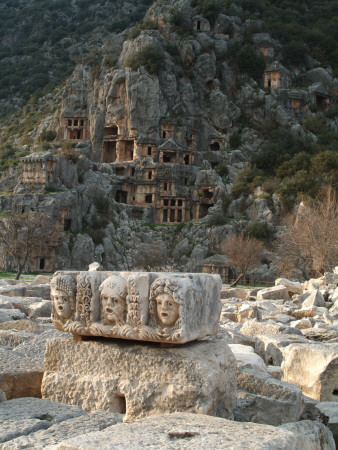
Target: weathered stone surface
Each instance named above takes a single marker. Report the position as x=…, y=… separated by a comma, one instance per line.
x=25, y=415
x=330, y=410
x=313, y=367
x=2, y=396
x=21, y=363
x=271, y=347
x=141, y=379
x=253, y=328
x=182, y=430
x=263, y=399
x=275, y=372
x=66, y=429
x=158, y=307
x=273, y=293
x=22, y=325
x=293, y=287
x=314, y=299
x=20, y=376
x=319, y=436
x=11, y=314
x=246, y=358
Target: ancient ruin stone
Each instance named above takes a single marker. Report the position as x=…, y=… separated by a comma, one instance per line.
x=182, y=430
x=141, y=379
x=171, y=308
x=314, y=368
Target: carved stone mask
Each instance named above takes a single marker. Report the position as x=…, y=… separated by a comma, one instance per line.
x=167, y=309
x=113, y=305
x=62, y=303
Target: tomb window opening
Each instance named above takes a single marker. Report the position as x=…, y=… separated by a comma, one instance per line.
x=149, y=151
x=148, y=198
x=42, y=263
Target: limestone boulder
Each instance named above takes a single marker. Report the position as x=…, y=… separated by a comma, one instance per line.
x=183, y=430
x=314, y=299
x=246, y=358
x=273, y=293
x=141, y=379
x=271, y=347
x=313, y=367
x=293, y=287
x=264, y=399
x=253, y=328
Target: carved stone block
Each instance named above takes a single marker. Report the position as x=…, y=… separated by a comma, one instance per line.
x=140, y=379
x=147, y=306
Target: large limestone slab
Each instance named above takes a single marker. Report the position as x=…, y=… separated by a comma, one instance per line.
x=314, y=368
x=141, y=379
x=58, y=432
x=159, y=307
x=182, y=430
x=23, y=416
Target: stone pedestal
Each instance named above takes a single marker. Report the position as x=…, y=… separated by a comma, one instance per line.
x=141, y=379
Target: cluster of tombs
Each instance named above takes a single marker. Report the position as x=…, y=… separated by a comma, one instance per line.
x=159, y=174
x=157, y=307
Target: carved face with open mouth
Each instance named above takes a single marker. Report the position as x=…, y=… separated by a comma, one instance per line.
x=167, y=309
x=62, y=304
x=113, y=306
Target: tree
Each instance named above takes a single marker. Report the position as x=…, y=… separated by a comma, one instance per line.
x=310, y=241
x=25, y=235
x=243, y=253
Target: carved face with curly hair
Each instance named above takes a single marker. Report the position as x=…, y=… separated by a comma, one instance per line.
x=113, y=295
x=63, y=295
x=166, y=301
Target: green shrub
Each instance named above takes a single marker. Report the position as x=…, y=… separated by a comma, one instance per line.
x=294, y=53
x=260, y=230
x=47, y=136
x=101, y=202
x=70, y=154
x=150, y=57
x=235, y=140
x=210, y=9
x=315, y=124
x=216, y=219
x=222, y=170
x=250, y=62
x=242, y=183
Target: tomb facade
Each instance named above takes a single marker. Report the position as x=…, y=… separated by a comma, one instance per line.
x=159, y=307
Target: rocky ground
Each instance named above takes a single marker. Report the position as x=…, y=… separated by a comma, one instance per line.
x=284, y=340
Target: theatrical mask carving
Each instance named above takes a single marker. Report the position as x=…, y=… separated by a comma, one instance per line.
x=171, y=308
x=63, y=297
x=113, y=293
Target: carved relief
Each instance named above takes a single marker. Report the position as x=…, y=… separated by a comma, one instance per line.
x=166, y=309
x=141, y=306
x=63, y=291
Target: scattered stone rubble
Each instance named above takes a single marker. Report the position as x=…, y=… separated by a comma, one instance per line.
x=278, y=345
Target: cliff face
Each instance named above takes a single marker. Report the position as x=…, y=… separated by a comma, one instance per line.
x=157, y=133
